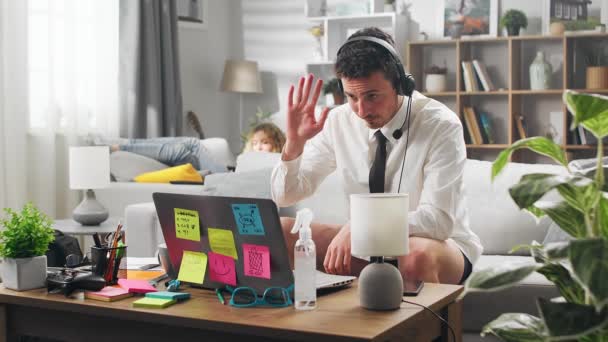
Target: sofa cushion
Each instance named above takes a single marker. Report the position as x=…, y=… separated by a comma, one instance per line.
x=250, y=161
x=125, y=166
x=184, y=172
x=493, y=215
x=253, y=184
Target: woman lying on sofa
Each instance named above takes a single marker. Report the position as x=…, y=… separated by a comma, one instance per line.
x=172, y=151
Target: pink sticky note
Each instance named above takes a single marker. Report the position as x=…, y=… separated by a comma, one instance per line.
x=136, y=286
x=256, y=261
x=222, y=269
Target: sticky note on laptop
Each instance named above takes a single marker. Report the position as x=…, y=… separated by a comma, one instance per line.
x=136, y=286
x=153, y=303
x=221, y=241
x=256, y=260
x=248, y=219
x=193, y=267
x=222, y=269
x=187, y=224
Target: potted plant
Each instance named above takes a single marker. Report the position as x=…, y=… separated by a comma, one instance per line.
x=513, y=20
x=23, y=244
x=577, y=267
x=435, y=79
x=332, y=87
x=597, y=67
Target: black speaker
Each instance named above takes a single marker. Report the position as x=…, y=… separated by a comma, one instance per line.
x=406, y=84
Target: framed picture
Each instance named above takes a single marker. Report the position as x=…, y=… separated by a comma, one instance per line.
x=192, y=13
x=576, y=15
x=469, y=18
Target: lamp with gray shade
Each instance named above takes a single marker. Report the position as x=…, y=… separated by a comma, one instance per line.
x=90, y=169
x=241, y=77
x=379, y=228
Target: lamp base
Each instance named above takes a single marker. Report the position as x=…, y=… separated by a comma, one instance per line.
x=380, y=287
x=90, y=212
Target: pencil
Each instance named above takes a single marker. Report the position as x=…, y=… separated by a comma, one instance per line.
x=218, y=292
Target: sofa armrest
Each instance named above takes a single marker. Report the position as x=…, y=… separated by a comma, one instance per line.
x=142, y=229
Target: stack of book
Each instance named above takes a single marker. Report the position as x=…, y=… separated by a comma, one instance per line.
x=477, y=127
x=476, y=77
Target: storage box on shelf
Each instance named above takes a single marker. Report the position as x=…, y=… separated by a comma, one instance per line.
x=507, y=62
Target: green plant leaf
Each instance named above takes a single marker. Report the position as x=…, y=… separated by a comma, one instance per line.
x=570, y=320
x=540, y=145
x=499, y=277
x=589, y=259
x=516, y=327
x=603, y=217
x=565, y=216
x=567, y=286
x=532, y=187
x=557, y=250
x=579, y=192
x=590, y=110
x=27, y=234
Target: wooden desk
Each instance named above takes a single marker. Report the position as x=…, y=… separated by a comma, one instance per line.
x=337, y=318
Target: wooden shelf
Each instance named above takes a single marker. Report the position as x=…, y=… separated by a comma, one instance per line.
x=475, y=93
x=581, y=147
x=488, y=146
x=537, y=92
x=438, y=94
x=596, y=91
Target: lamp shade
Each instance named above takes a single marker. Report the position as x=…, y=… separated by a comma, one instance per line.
x=89, y=167
x=378, y=224
x=241, y=77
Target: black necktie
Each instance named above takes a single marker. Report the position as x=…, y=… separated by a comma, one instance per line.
x=376, y=173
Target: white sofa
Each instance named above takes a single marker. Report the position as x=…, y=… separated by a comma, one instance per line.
x=493, y=216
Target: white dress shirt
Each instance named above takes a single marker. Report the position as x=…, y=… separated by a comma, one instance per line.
x=432, y=176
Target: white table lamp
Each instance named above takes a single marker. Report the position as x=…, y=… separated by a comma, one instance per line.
x=90, y=169
x=241, y=77
x=379, y=228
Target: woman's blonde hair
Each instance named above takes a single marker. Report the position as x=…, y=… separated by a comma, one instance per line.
x=272, y=131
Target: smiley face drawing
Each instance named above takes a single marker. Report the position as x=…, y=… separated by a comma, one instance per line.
x=221, y=267
x=247, y=219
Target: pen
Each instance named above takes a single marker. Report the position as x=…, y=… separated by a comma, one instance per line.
x=218, y=292
x=97, y=241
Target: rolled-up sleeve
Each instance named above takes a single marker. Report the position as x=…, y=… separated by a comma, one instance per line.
x=294, y=180
x=442, y=194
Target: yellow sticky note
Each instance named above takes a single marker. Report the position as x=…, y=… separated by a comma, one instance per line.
x=221, y=241
x=187, y=224
x=193, y=267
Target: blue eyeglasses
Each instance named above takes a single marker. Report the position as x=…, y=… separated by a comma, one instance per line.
x=244, y=297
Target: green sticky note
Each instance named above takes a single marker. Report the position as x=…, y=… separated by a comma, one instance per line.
x=222, y=242
x=187, y=224
x=193, y=267
x=153, y=303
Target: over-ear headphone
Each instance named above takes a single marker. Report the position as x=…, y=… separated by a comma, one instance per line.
x=405, y=86
x=406, y=83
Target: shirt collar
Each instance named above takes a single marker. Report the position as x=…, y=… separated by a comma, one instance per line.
x=395, y=123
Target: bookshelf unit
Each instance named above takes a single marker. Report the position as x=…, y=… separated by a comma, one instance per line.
x=507, y=60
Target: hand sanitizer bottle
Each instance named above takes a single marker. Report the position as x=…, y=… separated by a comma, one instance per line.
x=305, y=257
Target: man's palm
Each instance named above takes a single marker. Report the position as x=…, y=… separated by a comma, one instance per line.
x=301, y=122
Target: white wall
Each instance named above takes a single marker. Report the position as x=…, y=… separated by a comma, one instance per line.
x=202, y=56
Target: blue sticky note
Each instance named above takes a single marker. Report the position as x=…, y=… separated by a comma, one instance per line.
x=169, y=295
x=247, y=217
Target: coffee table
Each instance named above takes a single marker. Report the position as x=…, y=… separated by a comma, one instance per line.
x=337, y=318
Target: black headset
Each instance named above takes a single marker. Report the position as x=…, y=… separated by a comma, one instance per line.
x=405, y=86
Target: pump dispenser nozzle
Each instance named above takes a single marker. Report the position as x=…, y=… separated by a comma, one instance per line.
x=303, y=219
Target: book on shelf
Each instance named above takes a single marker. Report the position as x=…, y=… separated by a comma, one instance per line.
x=486, y=126
x=520, y=124
x=468, y=75
x=468, y=139
x=581, y=135
x=482, y=74
x=474, y=127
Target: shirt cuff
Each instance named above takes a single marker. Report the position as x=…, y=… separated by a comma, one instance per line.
x=291, y=166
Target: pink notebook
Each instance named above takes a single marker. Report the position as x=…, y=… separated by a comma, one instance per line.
x=136, y=286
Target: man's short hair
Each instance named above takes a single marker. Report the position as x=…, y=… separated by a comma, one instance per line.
x=361, y=58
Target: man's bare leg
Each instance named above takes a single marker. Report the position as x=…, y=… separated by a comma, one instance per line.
x=430, y=260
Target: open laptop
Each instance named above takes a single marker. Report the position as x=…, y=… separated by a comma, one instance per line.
x=251, y=221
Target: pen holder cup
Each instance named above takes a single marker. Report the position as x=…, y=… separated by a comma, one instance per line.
x=105, y=262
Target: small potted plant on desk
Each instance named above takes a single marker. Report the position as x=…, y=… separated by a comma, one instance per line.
x=513, y=20
x=24, y=241
x=435, y=79
x=332, y=87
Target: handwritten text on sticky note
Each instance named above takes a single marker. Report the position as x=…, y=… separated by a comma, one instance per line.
x=187, y=224
x=222, y=269
x=256, y=260
x=221, y=241
x=193, y=267
x=247, y=217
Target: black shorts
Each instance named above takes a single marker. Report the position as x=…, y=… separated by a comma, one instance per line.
x=468, y=268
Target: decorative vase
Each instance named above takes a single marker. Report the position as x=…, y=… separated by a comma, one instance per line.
x=435, y=83
x=456, y=28
x=597, y=77
x=513, y=30
x=23, y=274
x=540, y=72
x=557, y=28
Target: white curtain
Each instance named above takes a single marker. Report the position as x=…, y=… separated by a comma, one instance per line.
x=73, y=90
x=13, y=103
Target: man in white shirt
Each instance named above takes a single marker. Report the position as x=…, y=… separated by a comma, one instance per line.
x=442, y=247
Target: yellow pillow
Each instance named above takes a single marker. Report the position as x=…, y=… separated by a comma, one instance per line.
x=184, y=172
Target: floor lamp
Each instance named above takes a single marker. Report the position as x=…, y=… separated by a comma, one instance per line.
x=241, y=77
